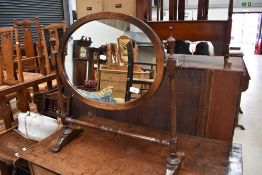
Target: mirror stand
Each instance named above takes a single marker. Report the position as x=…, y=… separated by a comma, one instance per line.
x=68, y=133
x=174, y=158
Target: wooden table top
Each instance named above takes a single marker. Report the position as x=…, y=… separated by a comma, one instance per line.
x=98, y=152
x=11, y=144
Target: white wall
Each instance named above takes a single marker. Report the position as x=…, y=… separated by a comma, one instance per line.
x=99, y=33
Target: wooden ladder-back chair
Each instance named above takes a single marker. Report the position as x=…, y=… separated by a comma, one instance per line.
x=32, y=59
x=49, y=33
x=8, y=74
x=11, y=70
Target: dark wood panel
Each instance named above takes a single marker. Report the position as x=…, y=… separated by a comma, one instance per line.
x=191, y=30
x=223, y=105
x=206, y=105
x=207, y=100
x=188, y=96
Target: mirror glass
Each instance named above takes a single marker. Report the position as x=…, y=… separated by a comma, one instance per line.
x=110, y=61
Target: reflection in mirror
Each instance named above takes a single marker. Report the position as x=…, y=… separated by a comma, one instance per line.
x=110, y=61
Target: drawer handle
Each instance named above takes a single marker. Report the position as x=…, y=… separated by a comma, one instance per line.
x=118, y=5
x=89, y=8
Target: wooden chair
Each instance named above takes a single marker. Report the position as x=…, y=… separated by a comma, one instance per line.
x=12, y=142
x=132, y=66
x=8, y=74
x=8, y=77
x=122, y=50
x=32, y=58
x=49, y=33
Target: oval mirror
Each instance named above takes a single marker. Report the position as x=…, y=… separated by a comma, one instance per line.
x=111, y=60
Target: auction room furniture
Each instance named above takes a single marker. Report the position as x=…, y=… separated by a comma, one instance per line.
x=139, y=8
x=83, y=62
x=194, y=115
x=11, y=143
x=117, y=79
x=33, y=59
x=8, y=73
x=31, y=55
x=49, y=33
x=88, y=7
x=112, y=147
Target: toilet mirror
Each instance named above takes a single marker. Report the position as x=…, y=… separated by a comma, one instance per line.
x=111, y=60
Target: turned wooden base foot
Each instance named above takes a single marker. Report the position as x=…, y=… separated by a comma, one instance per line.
x=66, y=136
x=174, y=163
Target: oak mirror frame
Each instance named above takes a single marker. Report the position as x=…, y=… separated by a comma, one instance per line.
x=157, y=47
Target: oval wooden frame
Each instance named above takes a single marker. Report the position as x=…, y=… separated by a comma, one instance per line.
x=140, y=24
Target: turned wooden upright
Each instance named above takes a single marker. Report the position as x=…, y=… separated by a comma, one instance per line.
x=173, y=160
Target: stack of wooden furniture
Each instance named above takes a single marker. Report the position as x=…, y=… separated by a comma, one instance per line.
x=203, y=102
x=113, y=147
x=23, y=67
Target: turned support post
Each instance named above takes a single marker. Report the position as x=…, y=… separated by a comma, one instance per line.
x=67, y=134
x=173, y=160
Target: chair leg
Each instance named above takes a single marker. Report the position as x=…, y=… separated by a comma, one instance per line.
x=5, y=111
x=11, y=113
x=4, y=168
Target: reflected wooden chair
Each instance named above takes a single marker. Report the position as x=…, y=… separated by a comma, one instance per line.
x=33, y=61
x=122, y=49
x=143, y=82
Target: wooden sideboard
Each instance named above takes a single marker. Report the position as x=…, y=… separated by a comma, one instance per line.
x=118, y=79
x=207, y=99
x=98, y=152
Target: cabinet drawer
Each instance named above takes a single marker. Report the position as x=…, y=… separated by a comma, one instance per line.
x=114, y=77
x=119, y=89
x=121, y=6
x=86, y=7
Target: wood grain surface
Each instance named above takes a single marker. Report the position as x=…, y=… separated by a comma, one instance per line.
x=96, y=152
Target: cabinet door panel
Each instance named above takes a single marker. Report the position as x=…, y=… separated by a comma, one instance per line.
x=121, y=6
x=86, y=7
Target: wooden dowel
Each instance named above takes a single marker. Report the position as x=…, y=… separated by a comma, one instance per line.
x=161, y=10
x=118, y=131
